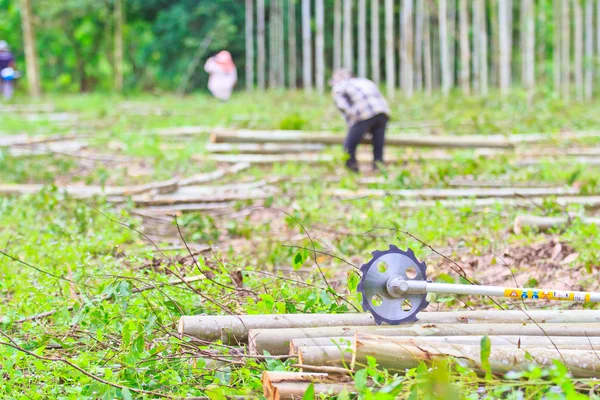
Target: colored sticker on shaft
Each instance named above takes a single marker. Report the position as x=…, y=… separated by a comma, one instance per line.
x=546, y=295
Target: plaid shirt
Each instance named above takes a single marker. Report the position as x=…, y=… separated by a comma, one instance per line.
x=359, y=99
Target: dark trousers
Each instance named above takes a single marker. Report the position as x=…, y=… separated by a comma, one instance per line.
x=376, y=126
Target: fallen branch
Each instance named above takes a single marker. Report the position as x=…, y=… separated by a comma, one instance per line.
x=234, y=329
x=257, y=136
x=454, y=193
x=293, y=385
x=277, y=341
x=400, y=354
x=543, y=224
x=592, y=202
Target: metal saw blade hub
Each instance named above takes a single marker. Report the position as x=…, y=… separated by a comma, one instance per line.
x=385, y=307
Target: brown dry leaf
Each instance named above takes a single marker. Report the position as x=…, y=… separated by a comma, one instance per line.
x=570, y=258
x=555, y=251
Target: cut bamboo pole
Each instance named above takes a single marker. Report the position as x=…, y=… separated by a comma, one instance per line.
x=564, y=342
x=493, y=183
x=246, y=136
x=375, y=29
x=327, y=356
x=321, y=158
x=399, y=356
x=263, y=148
x=293, y=385
x=454, y=193
x=591, y=202
x=235, y=328
x=277, y=341
x=543, y=224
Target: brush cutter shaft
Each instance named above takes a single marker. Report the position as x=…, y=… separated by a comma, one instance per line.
x=399, y=287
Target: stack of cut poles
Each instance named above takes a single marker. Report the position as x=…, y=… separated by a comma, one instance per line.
x=329, y=347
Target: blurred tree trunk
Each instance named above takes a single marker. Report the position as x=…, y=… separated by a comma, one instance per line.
x=320, y=45
x=530, y=49
x=504, y=34
x=375, y=67
x=483, y=49
x=463, y=15
x=452, y=40
x=419, y=45
x=589, y=49
x=475, y=57
x=566, y=51
x=119, y=22
x=249, y=44
x=31, y=59
x=261, y=60
x=306, y=47
x=362, y=38
x=389, y=48
x=541, y=47
x=495, y=42
x=557, y=50
x=578, y=20
x=273, y=44
x=280, y=45
x=444, y=56
x=292, y=47
x=523, y=4
x=347, y=41
x=337, y=35
x=407, y=48
x=427, y=61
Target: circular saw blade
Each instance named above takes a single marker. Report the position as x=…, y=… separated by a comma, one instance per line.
x=373, y=286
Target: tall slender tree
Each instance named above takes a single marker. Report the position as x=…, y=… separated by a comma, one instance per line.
x=483, y=53
x=530, y=48
x=320, y=45
x=337, y=34
x=261, y=44
x=444, y=51
x=280, y=44
x=31, y=56
x=495, y=43
x=119, y=22
x=589, y=49
x=389, y=48
x=427, y=50
x=407, y=47
x=292, y=46
x=566, y=51
x=362, y=38
x=249, y=44
x=306, y=47
x=452, y=36
x=504, y=34
x=273, y=62
x=523, y=4
x=578, y=22
x=419, y=45
x=348, y=44
x=375, y=67
x=475, y=57
x=463, y=14
x=557, y=45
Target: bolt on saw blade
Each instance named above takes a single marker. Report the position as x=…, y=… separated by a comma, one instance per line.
x=373, y=286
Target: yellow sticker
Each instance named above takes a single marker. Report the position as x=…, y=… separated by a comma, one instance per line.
x=515, y=293
x=587, y=298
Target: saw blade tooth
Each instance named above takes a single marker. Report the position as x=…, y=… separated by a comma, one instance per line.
x=377, y=253
x=394, y=248
x=409, y=252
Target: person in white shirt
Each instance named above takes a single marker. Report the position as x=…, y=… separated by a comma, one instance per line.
x=222, y=75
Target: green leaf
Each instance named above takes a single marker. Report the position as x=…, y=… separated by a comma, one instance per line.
x=486, y=350
x=126, y=394
x=360, y=379
x=299, y=259
x=310, y=392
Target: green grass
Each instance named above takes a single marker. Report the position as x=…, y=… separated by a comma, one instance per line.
x=79, y=260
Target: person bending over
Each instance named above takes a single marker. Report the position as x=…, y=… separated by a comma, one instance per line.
x=365, y=110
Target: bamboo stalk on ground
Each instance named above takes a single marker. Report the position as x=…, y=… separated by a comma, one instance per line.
x=293, y=385
x=246, y=136
x=277, y=341
x=543, y=224
x=397, y=355
x=591, y=202
x=327, y=356
x=454, y=193
x=263, y=148
x=235, y=328
x=562, y=342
